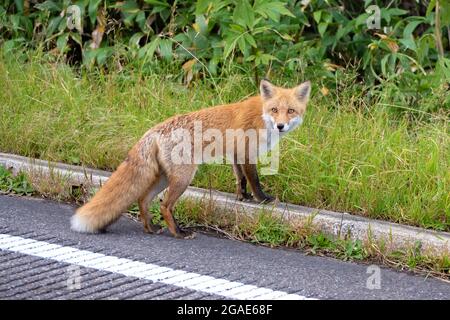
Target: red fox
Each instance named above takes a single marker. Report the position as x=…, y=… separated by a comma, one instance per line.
x=150, y=167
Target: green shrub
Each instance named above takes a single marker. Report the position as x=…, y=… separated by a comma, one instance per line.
x=407, y=54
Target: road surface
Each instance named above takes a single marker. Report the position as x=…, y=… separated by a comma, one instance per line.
x=41, y=258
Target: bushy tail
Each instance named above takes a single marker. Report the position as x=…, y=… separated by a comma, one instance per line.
x=125, y=186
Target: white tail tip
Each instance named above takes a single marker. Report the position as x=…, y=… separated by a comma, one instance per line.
x=79, y=224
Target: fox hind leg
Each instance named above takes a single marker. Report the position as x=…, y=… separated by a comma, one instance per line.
x=144, y=215
x=179, y=180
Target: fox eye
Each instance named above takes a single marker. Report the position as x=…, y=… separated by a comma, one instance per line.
x=290, y=110
x=274, y=110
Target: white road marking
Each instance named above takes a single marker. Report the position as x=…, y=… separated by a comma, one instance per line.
x=141, y=270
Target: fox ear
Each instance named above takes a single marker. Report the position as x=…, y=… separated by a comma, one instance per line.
x=302, y=91
x=267, y=89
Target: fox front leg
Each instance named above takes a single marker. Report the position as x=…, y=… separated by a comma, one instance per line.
x=251, y=174
x=241, y=184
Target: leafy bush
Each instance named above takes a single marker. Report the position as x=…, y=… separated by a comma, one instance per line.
x=406, y=52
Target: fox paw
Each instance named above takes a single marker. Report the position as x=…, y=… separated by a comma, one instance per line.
x=185, y=234
x=266, y=199
x=244, y=196
x=153, y=228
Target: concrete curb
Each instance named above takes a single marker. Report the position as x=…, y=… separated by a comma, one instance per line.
x=335, y=223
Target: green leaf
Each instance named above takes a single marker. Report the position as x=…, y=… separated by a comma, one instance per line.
x=27, y=24
x=244, y=14
x=362, y=19
x=89, y=57
x=202, y=24
x=10, y=45
x=61, y=43
x=149, y=49
x=92, y=10
x=272, y=9
x=135, y=39
x=76, y=37
x=19, y=5
x=49, y=6
x=158, y=3
x=141, y=21
x=281, y=9
x=212, y=66
x=165, y=49
x=409, y=29
x=250, y=58
x=201, y=6
x=317, y=15
x=383, y=64
x=242, y=45
x=445, y=13
x=409, y=43
x=266, y=58
x=322, y=28
x=103, y=54
x=62, y=25
x=248, y=37
x=129, y=6
x=397, y=12
x=430, y=7
x=238, y=28
x=230, y=45
x=52, y=25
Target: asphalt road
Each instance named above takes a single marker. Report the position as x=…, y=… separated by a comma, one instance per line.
x=41, y=258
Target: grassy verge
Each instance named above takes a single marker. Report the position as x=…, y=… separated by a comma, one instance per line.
x=270, y=230
x=261, y=229
x=346, y=157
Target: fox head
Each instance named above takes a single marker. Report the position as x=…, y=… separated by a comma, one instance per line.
x=283, y=108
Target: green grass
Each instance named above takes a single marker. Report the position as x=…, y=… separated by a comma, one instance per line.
x=16, y=184
x=346, y=157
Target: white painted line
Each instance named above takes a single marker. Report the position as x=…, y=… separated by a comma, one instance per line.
x=183, y=277
x=155, y=270
x=254, y=293
x=209, y=284
x=238, y=290
x=195, y=281
x=113, y=262
x=141, y=270
x=77, y=257
x=28, y=246
x=274, y=295
x=128, y=265
x=166, y=276
x=225, y=286
x=38, y=249
x=16, y=242
x=66, y=257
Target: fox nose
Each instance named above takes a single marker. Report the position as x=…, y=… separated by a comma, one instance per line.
x=280, y=126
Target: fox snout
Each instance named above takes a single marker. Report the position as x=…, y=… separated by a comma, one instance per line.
x=282, y=127
x=286, y=126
